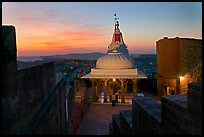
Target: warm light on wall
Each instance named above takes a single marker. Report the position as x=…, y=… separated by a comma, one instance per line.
x=181, y=78
x=113, y=79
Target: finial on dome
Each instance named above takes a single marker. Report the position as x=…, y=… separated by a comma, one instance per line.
x=116, y=22
x=115, y=15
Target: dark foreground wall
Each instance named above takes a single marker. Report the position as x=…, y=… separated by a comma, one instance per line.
x=9, y=85
x=32, y=103
x=35, y=84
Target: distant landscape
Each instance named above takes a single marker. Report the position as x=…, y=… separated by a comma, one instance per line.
x=146, y=63
x=83, y=56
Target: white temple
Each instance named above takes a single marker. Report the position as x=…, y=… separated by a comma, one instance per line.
x=116, y=67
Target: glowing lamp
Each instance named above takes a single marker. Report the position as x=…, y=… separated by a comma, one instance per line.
x=181, y=78
x=113, y=79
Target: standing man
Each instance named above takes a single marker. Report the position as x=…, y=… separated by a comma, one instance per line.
x=116, y=97
x=113, y=99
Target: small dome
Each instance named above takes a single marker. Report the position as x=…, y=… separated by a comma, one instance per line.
x=115, y=61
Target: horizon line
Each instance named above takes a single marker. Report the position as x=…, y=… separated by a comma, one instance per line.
x=76, y=53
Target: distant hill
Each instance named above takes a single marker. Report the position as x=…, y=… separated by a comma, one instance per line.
x=85, y=56
x=143, y=55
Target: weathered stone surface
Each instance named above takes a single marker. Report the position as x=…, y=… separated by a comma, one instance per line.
x=50, y=119
x=9, y=40
x=116, y=124
x=146, y=116
x=126, y=122
x=197, y=128
x=9, y=87
x=35, y=84
x=174, y=114
x=194, y=96
x=191, y=57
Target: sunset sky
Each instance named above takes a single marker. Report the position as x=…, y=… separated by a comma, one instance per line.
x=48, y=28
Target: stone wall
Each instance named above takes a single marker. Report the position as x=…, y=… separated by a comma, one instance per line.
x=194, y=105
x=190, y=60
x=182, y=114
x=50, y=117
x=42, y=103
x=32, y=103
x=116, y=124
x=146, y=116
x=9, y=85
x=176, y=115
x=79, y=109
x=126, y=122
x=70, y=110
x=35, y=84
x=77, y=105
x=167, y=57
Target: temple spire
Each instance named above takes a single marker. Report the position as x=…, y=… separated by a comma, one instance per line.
x=117, y=43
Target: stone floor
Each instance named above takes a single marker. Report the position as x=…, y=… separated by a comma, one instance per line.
x=97, y=118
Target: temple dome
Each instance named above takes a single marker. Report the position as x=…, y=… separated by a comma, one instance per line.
x=115, y=61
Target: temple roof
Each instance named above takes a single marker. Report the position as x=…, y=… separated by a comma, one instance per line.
x=117, y=63
x=115, y=60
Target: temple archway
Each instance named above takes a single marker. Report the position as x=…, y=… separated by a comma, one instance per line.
x=129, y=86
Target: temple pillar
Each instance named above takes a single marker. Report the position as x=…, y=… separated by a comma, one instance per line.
x=135, y=87
x=105, y=90
x=97, y=87
x=122, y=90
x=108, y=89
x=93, y=91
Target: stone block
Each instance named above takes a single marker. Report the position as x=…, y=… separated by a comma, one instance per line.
x=126, y=122
x=194, y=96
x=167, y=129
x=175, y=115
x=9, y=69
x=134, y=132
x=195, y=91
x=9, y=40
x=136, y=120
x=9, y=89
x=116, y=124
x=146, y=116
x=196, y=128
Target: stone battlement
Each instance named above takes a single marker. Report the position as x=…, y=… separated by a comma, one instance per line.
x=175, y=115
